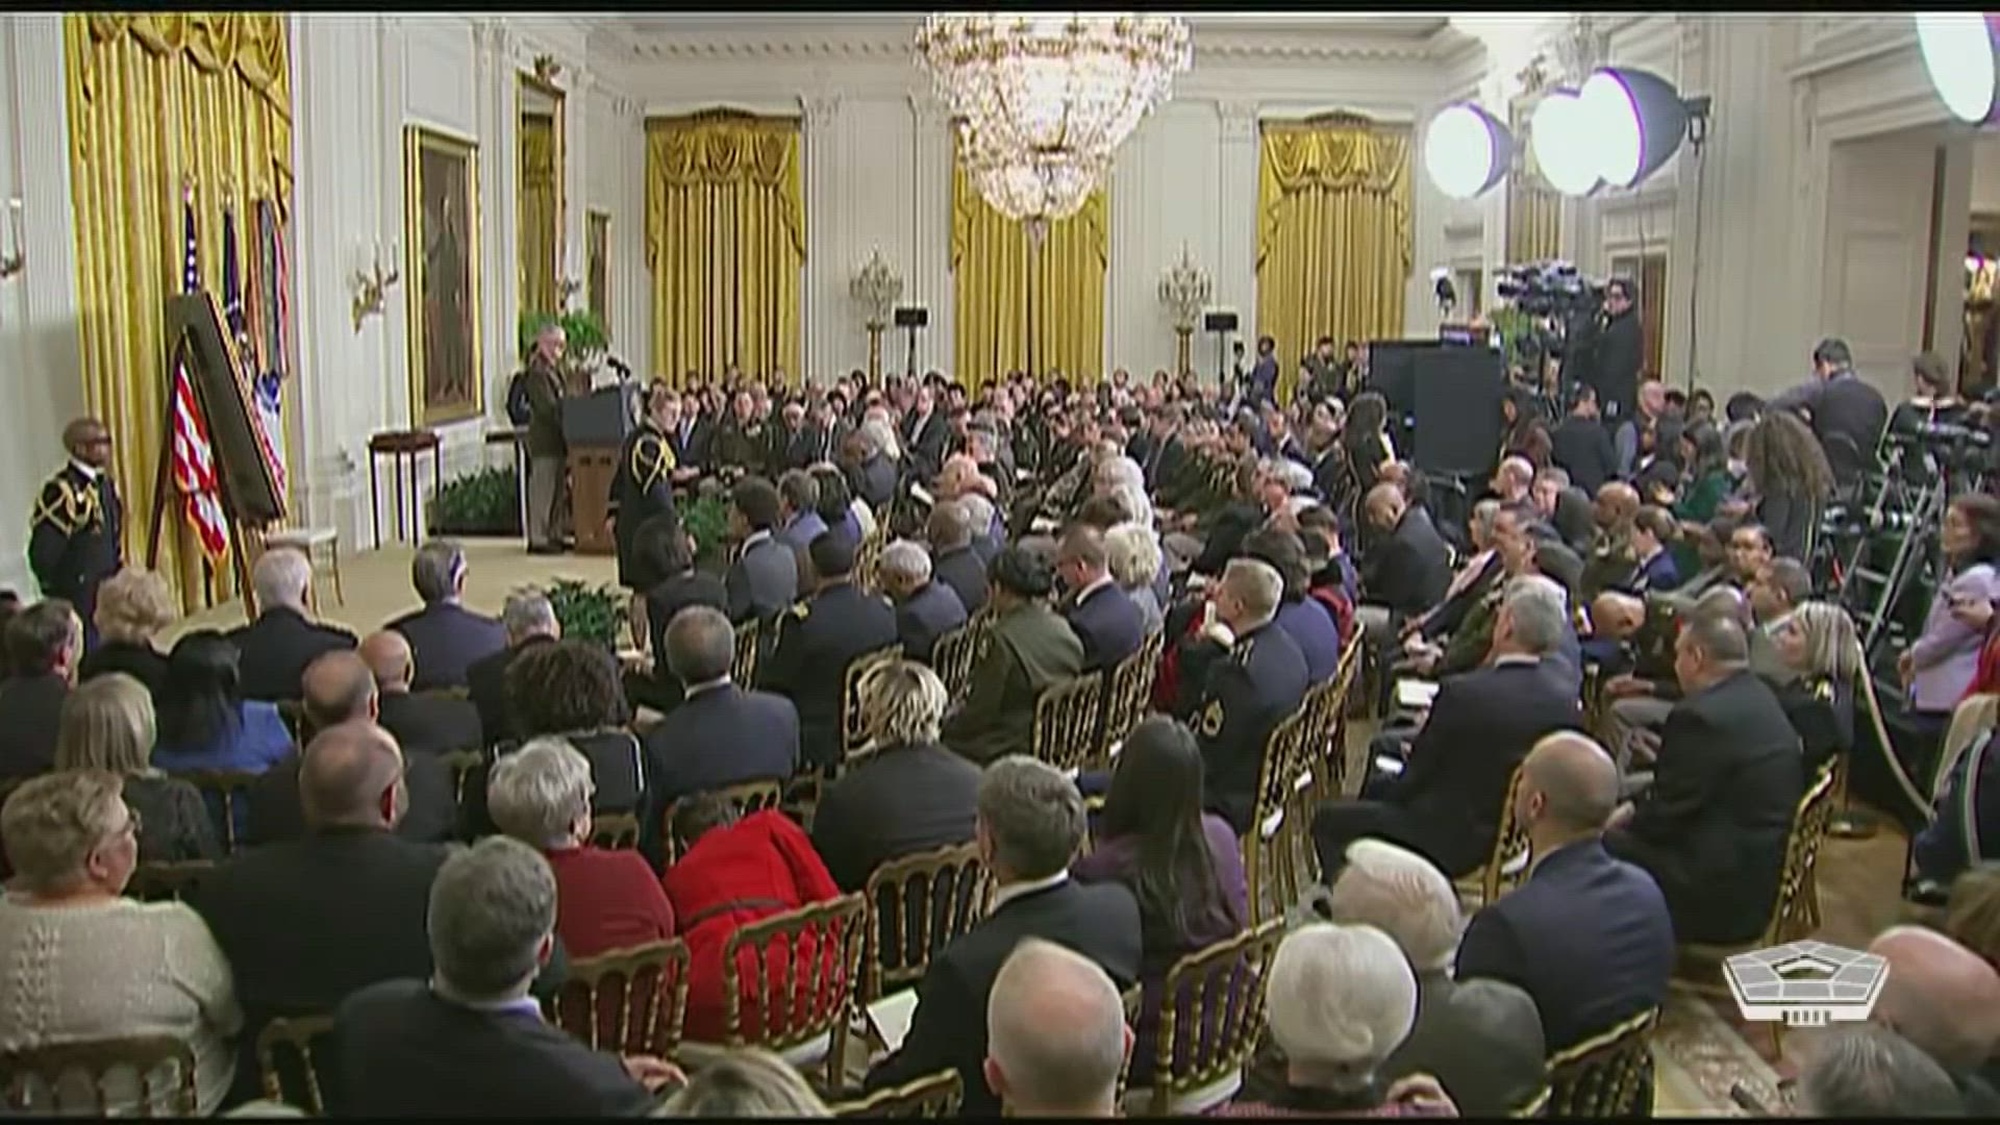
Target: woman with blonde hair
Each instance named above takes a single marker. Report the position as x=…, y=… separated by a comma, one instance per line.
x=104, y=966
x=108, y=724
x=746, y=1082
x=132, y=607
x=1134, y=559
x=1818, y=642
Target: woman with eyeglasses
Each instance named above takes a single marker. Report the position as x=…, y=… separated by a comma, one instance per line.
x=87, y=964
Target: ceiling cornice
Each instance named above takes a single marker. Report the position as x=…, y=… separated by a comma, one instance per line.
x=1214, y=46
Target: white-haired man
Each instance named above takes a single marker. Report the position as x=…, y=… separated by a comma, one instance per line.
x=1481, y=1039
x=1445, y=800
x=925, y=610
x=1242, y=679
x=278, y=645
x=1055, y=1034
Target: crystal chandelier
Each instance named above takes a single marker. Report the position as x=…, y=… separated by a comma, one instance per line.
x=1042, y=101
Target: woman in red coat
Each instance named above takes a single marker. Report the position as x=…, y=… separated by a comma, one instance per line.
x=736, y=872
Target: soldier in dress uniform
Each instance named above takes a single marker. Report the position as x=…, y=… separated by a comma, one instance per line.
x=1249, y=687
x=741, y=445
x=817, y=639
x=74, y=542
x=641, y=489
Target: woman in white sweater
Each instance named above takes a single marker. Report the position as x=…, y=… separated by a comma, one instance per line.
x=79, y=963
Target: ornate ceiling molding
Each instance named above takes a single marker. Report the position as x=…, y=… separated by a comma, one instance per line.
x=1218, y=46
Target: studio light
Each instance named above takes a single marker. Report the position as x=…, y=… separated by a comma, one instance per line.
x=1636, y=121
x=1466, y=151
x=1959, y=50
x=1561, y=137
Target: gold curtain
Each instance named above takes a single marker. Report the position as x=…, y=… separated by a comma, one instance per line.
x=1333, y=234
x=539, y=221
x=726, y=240
x=991, y=311
x=1534, y=209
x=159, y=103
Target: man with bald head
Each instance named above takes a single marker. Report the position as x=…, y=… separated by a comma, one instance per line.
x=1587, y=935
x=73, y=540
x=1944, y=999
x=423, y=722
x=1055, y=1034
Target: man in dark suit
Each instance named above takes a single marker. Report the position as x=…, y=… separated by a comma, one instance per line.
x=1247, y=676
x=74, y=541
x=1030, y=824
x=1582, y=445
x=925, y=609
x=1102, y=615
x=278, y=645
x=445, y=637
x=763, y=581
x=1587, y=935
x=719, y=735
x=1408, y=569
x=816, y=641
x=1846, y=412
x=423, y=722
x=689, y=435
x=1444, y=802
x=44, y=644
x=1727, y=777
x=1166, y=454
x=548, y=448
x=794, y=445
x=305, y=922
x=529, y=621
x=799, y=521
x=1618, y=352
x=955, y=560
x=469, y=1040
x=924, y=433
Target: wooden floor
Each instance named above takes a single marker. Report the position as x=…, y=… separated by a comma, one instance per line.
x=1859, y=880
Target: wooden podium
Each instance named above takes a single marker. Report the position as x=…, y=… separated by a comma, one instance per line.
x=595, y=426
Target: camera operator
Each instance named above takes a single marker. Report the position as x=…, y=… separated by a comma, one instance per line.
x=1620, y=349
x=1846, y=413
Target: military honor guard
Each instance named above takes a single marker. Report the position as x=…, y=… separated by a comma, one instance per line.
x=74, y=543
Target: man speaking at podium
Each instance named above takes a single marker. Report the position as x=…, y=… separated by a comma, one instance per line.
x=548, y=465
x=73, y=544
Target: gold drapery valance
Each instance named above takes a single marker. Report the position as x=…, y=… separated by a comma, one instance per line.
x=161, y=104
x=539, y=220
x=726, y=241
x=1334, y=237
x=991, y=307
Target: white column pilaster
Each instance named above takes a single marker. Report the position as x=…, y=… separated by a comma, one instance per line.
x=823, y=286
x=1235, y=268
x=928, y=279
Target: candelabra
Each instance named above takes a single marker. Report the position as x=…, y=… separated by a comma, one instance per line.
x=16, y=260
x=1185, y=289
x=371, y=283
x=877, y=287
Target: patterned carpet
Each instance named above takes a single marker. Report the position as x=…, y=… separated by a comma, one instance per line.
x=1701, y=1058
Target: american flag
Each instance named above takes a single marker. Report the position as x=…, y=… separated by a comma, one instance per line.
x=239, y=327
x=194, y=458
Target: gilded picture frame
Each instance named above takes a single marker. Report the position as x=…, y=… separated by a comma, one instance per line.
x=597, y=265
x=441, y=207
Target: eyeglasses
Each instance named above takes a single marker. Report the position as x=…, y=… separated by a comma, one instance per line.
x=134, y=823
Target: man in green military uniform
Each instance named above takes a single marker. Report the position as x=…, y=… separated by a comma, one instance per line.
x=74, y=541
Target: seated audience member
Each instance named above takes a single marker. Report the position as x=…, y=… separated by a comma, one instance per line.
x=565, y=688
x=606, y=899
x=1408, y=568
x=423, y=722
x=43, y=643
x=1640, y=706
x=799, y=521
x=1183, y=865
x=1944, y=999
x=763, y=578
x=733, y=872
x=445, y=637
x=1133, y=555
x=1938, y=666
x=1712, y=828
x=1103, y=618
x=1817, y=643
x=1779, y=587
x=665, y=549
x=1653, y=530
x=107, y=724
x=1223, y=526
x=1587, y=935
x=1434, y=651
x=530, y=621
x=1340, y=1000
x=1055, y=1034
x=1030, y=824
x=745, y=1082
x=1860, y=1071
x=1964, y=833
x=925, y=609
x=1243, y=676
x=1030, y=649
x=85, y=963
x=132, y=607
x=465, y=1040
x=720, y=735
x=339, y=688
x=954, y=561
x=836, y=505
x=206, y=722
x=10, y=607
x=818, y=639
x=1972, y=912
x=1445, y=803
x=278, y=645
x=1481, y=1039
x=909, y=794
x=1306, y=620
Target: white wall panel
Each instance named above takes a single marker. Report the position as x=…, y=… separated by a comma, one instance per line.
x=1877, y=252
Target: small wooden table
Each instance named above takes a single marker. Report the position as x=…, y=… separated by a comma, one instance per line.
x=403, y=447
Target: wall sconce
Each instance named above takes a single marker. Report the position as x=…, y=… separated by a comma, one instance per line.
x=371, y=283
x=16, y=260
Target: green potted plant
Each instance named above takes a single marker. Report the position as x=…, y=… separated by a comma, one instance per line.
x=486, y=502
x=706, y=519
x=588, y=613
x=585, y=336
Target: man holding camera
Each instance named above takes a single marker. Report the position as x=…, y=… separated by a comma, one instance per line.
x=1619, y=352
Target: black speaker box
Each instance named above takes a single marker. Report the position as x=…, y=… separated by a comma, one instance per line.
x=1219, y=322
x=911, y=317
x=1456, y=392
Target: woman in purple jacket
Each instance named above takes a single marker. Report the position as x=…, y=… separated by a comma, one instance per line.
x=1183, y=865
x=1940, y=664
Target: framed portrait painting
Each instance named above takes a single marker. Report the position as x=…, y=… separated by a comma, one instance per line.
x=597, y=265
x=441, y=212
